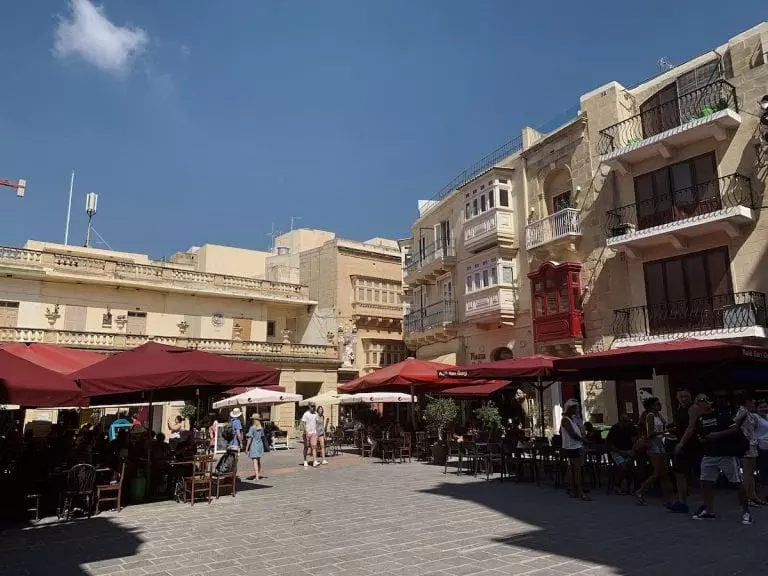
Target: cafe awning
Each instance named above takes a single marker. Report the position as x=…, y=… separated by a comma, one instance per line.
x=57, y=358
x=400, y=377
x=29, y=385
x=483, y=390
x=526, y=368
x=153, y=366
x=611, y=364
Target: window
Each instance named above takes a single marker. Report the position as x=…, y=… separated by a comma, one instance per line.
x=487, y=273
x=503, y=197
x=483, y=207
x=466, y=211
x=9, y=314
x=687, y=290
x=474, y=207
x=556, y=292
x=679, y=191
x=270, y=328
x=561, y=202
x=373, y=291
x=490, y=199
x=137, y=323
x=380, y=354
x=699, y=77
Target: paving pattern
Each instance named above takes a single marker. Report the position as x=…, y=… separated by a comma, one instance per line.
x=357, y=517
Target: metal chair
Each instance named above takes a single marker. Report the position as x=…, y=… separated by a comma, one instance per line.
x=421, y=446
x=453, y=451
x=404, y=447
x=80, y=483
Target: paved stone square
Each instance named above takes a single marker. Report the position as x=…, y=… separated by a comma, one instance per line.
x=357, y=517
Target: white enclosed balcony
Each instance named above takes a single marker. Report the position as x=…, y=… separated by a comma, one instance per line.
x=492, y=228
x=493, y=305
x=564, y=225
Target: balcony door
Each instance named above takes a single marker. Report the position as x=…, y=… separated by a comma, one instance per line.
x=660, y=112
x=678, y=191
x=443, y=236
x=688, y=292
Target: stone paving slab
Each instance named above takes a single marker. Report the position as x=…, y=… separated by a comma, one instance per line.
x=356, y=518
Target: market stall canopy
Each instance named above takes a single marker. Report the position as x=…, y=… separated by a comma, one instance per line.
x=378, y=398
x=57, y=358
x=647, y=357
x=526, y=368
x=29, y=385
x=258, y=396
x=401, y=376
x=155, y=366
x=483, y=390
x=325, y=399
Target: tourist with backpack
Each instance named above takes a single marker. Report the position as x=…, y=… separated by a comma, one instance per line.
x=233, y=432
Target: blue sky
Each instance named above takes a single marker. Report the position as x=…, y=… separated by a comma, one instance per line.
x=206, y=121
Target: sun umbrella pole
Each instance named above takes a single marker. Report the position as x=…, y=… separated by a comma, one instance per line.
x=541, y=407
x=413, y=411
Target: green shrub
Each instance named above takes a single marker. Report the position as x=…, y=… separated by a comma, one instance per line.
x=439, y=413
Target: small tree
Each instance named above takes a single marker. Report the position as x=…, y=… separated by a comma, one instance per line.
x=489, y=416
x=188, y=412
x=439, y=413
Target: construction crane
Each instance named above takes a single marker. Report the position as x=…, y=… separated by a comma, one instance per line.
x=20, y=186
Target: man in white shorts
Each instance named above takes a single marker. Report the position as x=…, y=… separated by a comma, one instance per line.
x=309, y=427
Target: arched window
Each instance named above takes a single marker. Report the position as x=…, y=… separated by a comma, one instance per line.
x=502, y=353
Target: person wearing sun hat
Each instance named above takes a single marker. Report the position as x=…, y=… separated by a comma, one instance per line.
x=237, y=430
x=573, y=444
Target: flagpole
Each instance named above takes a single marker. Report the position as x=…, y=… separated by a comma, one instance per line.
x=69, y=208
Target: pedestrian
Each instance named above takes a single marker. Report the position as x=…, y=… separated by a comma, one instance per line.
x=212, y=434
x=653, y=427
x=746, y=421
x=761, y=433
x=620, y=442
x=255, y=446
x=236, y=443
x=309, y=427
x=321, y=425
x=687, y=462
x=573, y=444
x=722, y=446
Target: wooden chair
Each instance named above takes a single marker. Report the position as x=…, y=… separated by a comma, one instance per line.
x=226, y=479
x=111, y=492
x=200, y=481
x=366, y=448
x=404, y=447
x=80, y=482
x=421, y=447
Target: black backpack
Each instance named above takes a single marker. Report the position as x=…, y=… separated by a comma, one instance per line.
x=228, y=433
x=226, y=463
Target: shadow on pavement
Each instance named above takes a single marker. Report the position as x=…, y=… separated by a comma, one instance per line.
x=64, y=548
x=612, y=531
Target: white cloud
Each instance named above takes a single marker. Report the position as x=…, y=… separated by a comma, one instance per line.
x=88, y=33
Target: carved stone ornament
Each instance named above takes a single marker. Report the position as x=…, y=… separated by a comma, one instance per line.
x=52, y=316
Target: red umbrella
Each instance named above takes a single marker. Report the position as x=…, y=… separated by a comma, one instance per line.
x=157, y=366
x=26, y=384
x=477, y=390
x=526, y=368
x=56, y=358
x=401, y=377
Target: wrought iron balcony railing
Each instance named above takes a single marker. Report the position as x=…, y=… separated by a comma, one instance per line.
x=561, y=224
x=431, y=252
x=431, y=316
x=705, y=198
x=700, y=103
x=726, y=312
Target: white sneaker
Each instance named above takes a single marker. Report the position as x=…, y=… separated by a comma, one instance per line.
x=315, y=464
x=305, y=464
x=746, y=518
x=324, y=462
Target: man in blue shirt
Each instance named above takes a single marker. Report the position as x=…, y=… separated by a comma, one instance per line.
x=237, y=430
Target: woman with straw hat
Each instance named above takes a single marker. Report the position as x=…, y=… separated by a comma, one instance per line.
x=255, y=446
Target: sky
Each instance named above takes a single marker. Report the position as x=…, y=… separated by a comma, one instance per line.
x=211, y=120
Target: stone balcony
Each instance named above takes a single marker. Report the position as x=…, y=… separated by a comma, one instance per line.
x=562, y=226
x=117, y=342
x=491, y=306
x=377, y=314
x=34, y=264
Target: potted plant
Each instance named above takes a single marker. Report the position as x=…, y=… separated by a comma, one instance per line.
x=489, y=417
x=438, y=414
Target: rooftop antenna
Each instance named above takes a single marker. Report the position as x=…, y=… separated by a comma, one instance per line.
x=664, y=64
x=69, y=208
x=292, y=219
x=272, y=235
x=91, y=200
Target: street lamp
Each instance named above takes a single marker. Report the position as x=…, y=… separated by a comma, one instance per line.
x=20, y=186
